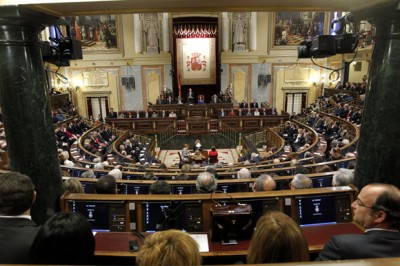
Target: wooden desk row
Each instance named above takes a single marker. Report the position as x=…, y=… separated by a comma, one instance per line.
x=189, y=186
x=128, y=213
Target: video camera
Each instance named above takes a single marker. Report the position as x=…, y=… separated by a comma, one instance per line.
x=322, y=46
x=61, y=49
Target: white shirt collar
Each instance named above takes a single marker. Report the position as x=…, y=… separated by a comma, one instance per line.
x=17, y=216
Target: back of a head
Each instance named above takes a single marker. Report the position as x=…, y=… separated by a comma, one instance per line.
x=72, y=185
x=106, y=185
x=206, y=183
x=170, y=247
x=342, y=177
x=244, y=173
x=301, y=181
x=16, y=193
x=160, y=187
x=282, y=240
x=264, y=183
x=116, y=173
x=65, y=238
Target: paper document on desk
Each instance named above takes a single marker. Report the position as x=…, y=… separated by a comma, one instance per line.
x=202, y=241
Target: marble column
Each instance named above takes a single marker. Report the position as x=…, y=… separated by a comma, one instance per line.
x=225, y=31
x=137, y=28
x=26, y=107
x=253, y=31
x=165, y=32
x=379, y=144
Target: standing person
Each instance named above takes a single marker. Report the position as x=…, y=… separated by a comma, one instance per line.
x=17, y=230
x=190, y=96
x=112, y=114
x=377, y=209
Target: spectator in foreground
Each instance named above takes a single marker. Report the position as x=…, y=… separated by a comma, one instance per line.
x=206, y=183
x=342, y=177
x=277, y=238
x=17, y=230
x=170, y=247
x=377, y=210
x=65, y=238
x=106, y=185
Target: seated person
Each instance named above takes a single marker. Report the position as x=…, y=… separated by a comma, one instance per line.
x=160, y=187
x=201, y=99
x=206, y=183
x=17, y=229
x=282, y=240
x=170, y=247
x=185, y=154
x=172, y=114
x=65, y=238
x=232, y=112
x=376, y=209
x=214, y=99
x=264, y=183
x=301, y=181
x=198, y=157
x=256, y=112
x=213, y=155
x=106, y=185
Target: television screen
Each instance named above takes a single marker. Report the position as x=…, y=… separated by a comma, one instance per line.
x=236, y=187
x=135, y=189
x=158, y=216
x=183, y=189
x=323, y=181
x=89, y=187
x=102, y=215
x=315, y=210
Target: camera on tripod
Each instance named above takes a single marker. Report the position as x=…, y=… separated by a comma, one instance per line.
x=322, y=46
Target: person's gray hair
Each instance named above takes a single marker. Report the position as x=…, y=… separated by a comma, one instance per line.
x=342, y=177
x=262, y=180
x=301, y=181
x=243, y=173
x=206, y=183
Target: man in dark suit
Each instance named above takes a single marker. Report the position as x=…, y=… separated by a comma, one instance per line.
x=377, y=209
x=17, y=230
x=243, y=104
x=254, y=104
x=112, y=114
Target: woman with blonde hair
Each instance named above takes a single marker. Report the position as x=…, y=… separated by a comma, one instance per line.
x=170, y=247
x=277, y=238
x=72, y=185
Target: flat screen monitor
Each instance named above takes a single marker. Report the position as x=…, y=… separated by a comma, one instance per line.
x=316, y=210
x=234, y=187
x=183, y=189
x=89, y=187
x=104, y=216
x=187, y=216
x=322, y=181
x=135, y=189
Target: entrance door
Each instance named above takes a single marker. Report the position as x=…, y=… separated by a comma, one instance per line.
x=295, y=102
x=97, y=107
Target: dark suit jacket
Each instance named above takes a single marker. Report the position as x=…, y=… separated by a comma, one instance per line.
x=372, y=244
x=16, y=238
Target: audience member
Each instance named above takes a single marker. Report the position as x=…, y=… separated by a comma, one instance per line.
x=65, y=238
x=206, y=183
x=264, y=183
x=213, y=155
x=106, y=185
x=342, y=177
x=243, y=173
x=277, y=238
x=160, y=187
x=198, y=157
x=170, y=247
x=72, y=185
x=116, y=172
x=17, y=230
x=185, y=154
x=377, y=210
x=301, y=181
